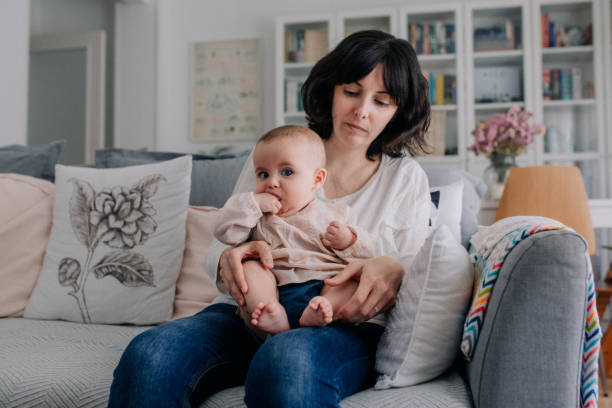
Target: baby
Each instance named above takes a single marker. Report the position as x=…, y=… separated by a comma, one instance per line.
x=309, y=238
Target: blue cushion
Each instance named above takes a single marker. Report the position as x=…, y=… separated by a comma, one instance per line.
x=473, y=191
x=212, y=177
x=37, y=161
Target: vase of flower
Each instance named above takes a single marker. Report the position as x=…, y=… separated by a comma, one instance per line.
x=497, y=172
x=501, y=137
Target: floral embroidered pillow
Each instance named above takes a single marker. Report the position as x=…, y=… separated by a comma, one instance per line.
x=116, y=244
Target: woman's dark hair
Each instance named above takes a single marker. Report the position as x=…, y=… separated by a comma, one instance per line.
x=354, y=58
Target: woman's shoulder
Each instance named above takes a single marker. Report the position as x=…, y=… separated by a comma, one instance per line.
x=402, y=167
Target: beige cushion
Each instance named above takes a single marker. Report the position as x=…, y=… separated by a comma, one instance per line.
x=26, y=211
x=194, y=288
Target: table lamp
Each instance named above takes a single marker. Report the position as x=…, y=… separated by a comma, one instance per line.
x=549, y=191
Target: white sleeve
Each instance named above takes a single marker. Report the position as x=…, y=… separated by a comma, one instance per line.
x=245, y=183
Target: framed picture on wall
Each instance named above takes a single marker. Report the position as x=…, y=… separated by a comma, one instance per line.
x=225, y=90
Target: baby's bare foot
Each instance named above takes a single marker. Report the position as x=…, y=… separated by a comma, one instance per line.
x=319, y=312
x=270, y=318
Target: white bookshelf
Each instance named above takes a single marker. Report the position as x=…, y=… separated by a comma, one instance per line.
x=575, y=125
x=296, y=69
x=436, y=60
x=506, y=62
x=589, y=117
x=383, y=19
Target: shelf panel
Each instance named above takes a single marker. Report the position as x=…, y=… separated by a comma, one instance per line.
x=580, y=156
x=498, y=57
x=582, y=53
x=436, y=57
x=567, y=102
x=498, y=105
x=443, y=107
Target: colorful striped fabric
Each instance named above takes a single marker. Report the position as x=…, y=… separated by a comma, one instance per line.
x=488, y=262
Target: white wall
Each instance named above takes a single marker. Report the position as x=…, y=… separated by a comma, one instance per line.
x=71, y=16
x=14, y=44
x=180, y=23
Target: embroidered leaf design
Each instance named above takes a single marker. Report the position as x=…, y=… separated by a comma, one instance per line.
x=79, y=208
x=148, y=185
x=68, y=272
x=128, y=267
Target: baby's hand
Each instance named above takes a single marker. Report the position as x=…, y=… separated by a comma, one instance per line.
x=268, y=204
x=338, y=236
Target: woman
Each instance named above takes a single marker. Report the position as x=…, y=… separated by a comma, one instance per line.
x=368, y=101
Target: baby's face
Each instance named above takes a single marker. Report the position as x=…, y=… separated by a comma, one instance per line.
x=286, y=168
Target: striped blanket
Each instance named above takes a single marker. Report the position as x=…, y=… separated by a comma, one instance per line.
x=488, y=262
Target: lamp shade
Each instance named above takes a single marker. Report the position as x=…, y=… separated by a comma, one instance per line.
x=549, y=191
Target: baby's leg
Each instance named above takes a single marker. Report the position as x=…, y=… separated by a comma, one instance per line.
x=321, y=309
x=263, y=311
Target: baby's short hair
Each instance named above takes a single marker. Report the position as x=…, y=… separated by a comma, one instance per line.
x=294, y=131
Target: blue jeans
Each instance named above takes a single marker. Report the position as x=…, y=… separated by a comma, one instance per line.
x=183, y=362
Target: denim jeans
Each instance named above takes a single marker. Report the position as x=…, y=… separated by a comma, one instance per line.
x=183, y=362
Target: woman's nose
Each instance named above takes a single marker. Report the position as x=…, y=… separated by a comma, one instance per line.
x=361, y=110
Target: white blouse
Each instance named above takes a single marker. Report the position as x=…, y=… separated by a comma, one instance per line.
x=394, y=206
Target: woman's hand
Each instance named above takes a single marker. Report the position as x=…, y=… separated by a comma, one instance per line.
x=232, y=272
x=379, y=279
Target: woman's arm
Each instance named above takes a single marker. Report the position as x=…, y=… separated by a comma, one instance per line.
x=380, y=278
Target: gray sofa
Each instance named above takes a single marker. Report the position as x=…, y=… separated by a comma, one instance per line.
x=529, y=351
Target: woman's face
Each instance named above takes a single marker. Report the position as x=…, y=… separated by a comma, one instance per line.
x=361, y=110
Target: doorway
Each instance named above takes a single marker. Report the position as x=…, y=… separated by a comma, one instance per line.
x=66, y=93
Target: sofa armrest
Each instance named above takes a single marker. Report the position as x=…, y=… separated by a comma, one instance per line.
x=530, y=347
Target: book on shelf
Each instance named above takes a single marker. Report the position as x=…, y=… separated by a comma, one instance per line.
x=432, y=37
x=305, y=45
x=545, y=27
x=566, y=84
x=498, y=37
x=577, y=82
x=293, y=95
x=435, y=136
x=442, y=88
x=562, y=83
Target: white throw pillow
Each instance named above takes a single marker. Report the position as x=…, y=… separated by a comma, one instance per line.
x=424, y=328
x=116, y=244
x=449, y=204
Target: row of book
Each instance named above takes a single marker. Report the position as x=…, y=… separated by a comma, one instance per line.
x=293, y=95
x=562, y=84
x=432, y=38
x=305, y=45
x=506, y=36
x=442, y=88
x=557, y=35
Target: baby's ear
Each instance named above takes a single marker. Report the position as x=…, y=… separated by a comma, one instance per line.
x=319, y=177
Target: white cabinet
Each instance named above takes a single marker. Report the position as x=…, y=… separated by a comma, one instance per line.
x=568, y=67
x=485, y=56
x=435, y=33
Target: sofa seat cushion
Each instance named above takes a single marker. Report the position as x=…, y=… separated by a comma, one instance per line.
x=447, y=391
x=59, y=364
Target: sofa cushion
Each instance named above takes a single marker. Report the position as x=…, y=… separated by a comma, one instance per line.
x=194, y=288
x=116, y=244
x=448, y=391
x=26, y=208
x=424, y=328
x=37, y=161
x=447, y=200
x=212, y=178
x=473, y=191
x=59, y=364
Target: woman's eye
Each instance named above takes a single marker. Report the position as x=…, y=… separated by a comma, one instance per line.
x=286, y=172
x=382, y=103
x=350, y=92
x=262, y=175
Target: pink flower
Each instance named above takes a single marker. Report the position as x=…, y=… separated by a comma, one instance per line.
x=508, y=133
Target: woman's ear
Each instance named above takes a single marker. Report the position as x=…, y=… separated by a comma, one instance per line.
x=319, y=177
